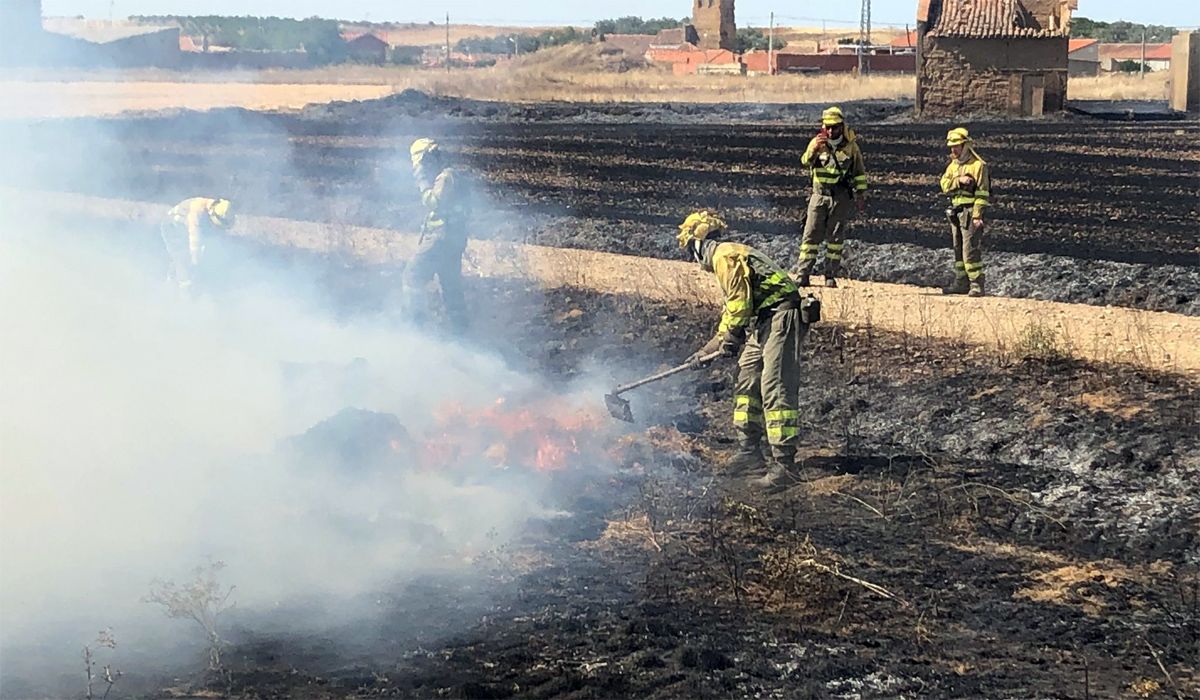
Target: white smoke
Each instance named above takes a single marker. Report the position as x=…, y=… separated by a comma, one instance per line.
x=142, y=434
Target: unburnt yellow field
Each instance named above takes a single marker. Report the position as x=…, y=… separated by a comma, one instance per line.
x=39, y=99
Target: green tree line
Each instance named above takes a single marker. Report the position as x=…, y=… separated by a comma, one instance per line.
x=1120, y=32
x=637, y=25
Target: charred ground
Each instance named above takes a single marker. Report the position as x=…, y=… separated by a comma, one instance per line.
x=1031, y=523
x=1085, y=210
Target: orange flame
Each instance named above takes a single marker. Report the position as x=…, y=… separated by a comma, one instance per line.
x=549, y=436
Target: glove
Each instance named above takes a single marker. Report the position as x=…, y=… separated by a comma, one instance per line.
x=966, y=182
x=731, y=344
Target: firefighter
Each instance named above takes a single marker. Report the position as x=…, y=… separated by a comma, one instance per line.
x=762, y=321
x=967, y=182
x=839, y=178
x=184, y=230
x=443, y=235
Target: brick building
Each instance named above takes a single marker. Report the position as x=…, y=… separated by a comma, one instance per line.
x=999, y=56
x=1083, y=57
x=715, y=24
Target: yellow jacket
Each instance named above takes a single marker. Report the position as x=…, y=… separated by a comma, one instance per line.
x=445, y=197
x=195, y=214
x=977, y=197
x=844, y=166
x=750, y=281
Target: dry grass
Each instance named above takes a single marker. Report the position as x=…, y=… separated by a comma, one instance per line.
x=24, y=100
x=655, y=85
x=580, y=73
x=1120, y=86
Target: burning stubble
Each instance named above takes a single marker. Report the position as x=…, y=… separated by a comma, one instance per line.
x=143, y=434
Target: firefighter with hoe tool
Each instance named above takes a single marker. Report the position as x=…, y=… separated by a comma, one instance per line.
x=764, y=321
x=184, y=230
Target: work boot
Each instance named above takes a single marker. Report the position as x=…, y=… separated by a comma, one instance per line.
x=960, y=286
x=976, y=289
x=777, y=470
x=747, y=461
x=802, y=280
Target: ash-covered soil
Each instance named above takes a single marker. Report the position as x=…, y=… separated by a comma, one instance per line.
x=1086, y=210
x=960, y=525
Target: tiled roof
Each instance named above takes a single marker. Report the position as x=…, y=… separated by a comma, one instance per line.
x=991, y=19
x=904, y=41
x=1133, y=52
x=1076, y=44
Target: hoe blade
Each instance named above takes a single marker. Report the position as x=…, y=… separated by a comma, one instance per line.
x=618, y=408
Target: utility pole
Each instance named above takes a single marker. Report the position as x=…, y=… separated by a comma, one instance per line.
x=771, y=47
x=1142, y=68
x=447, y=42
x=864, y=39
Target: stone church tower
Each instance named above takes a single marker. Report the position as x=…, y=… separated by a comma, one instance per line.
x=714, y=24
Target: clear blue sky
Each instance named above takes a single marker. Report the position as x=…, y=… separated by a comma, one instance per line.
x=750, y=12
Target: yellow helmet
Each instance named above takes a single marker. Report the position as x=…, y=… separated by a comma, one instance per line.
x=221, y=213
x=420, y=148
x=832, y=116
x=957, y=137
x=698, y=226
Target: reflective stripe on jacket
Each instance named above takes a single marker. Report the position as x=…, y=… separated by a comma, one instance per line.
x=445, y=199
x=750, y=281
x=978, y=197
x=830, y=167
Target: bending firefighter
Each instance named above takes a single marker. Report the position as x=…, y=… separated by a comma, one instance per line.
x=967, y=182
x=839, y=178
x=443, y=236
x=184, y=230
x=763, y=321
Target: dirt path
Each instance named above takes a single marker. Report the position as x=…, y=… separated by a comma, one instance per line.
x=1154, y=340
x=41, y=100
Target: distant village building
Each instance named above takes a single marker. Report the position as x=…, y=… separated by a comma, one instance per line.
x=1083, y=57
x=631, y=44
x=715, y=24
x=1185, y=72
x=365, y=47
x=999, y=56
x=1157, y=56
x=905, y=43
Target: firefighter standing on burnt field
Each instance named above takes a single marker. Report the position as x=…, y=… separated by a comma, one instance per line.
x=184, y=230
x=443, y=236
x=763, y=320
x=839, y=179
x=968, y=183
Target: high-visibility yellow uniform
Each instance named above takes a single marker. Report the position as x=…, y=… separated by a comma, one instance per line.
x=839, y=174
x=762, y=306
x=967, y=203
x=183, y=231
x=443, y=236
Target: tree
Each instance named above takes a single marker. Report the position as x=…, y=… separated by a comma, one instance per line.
x=637, y=25
x=1120, y=32
x=750, y=39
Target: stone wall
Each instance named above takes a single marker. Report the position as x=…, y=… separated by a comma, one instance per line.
x=714, y=23
x=961, y=76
